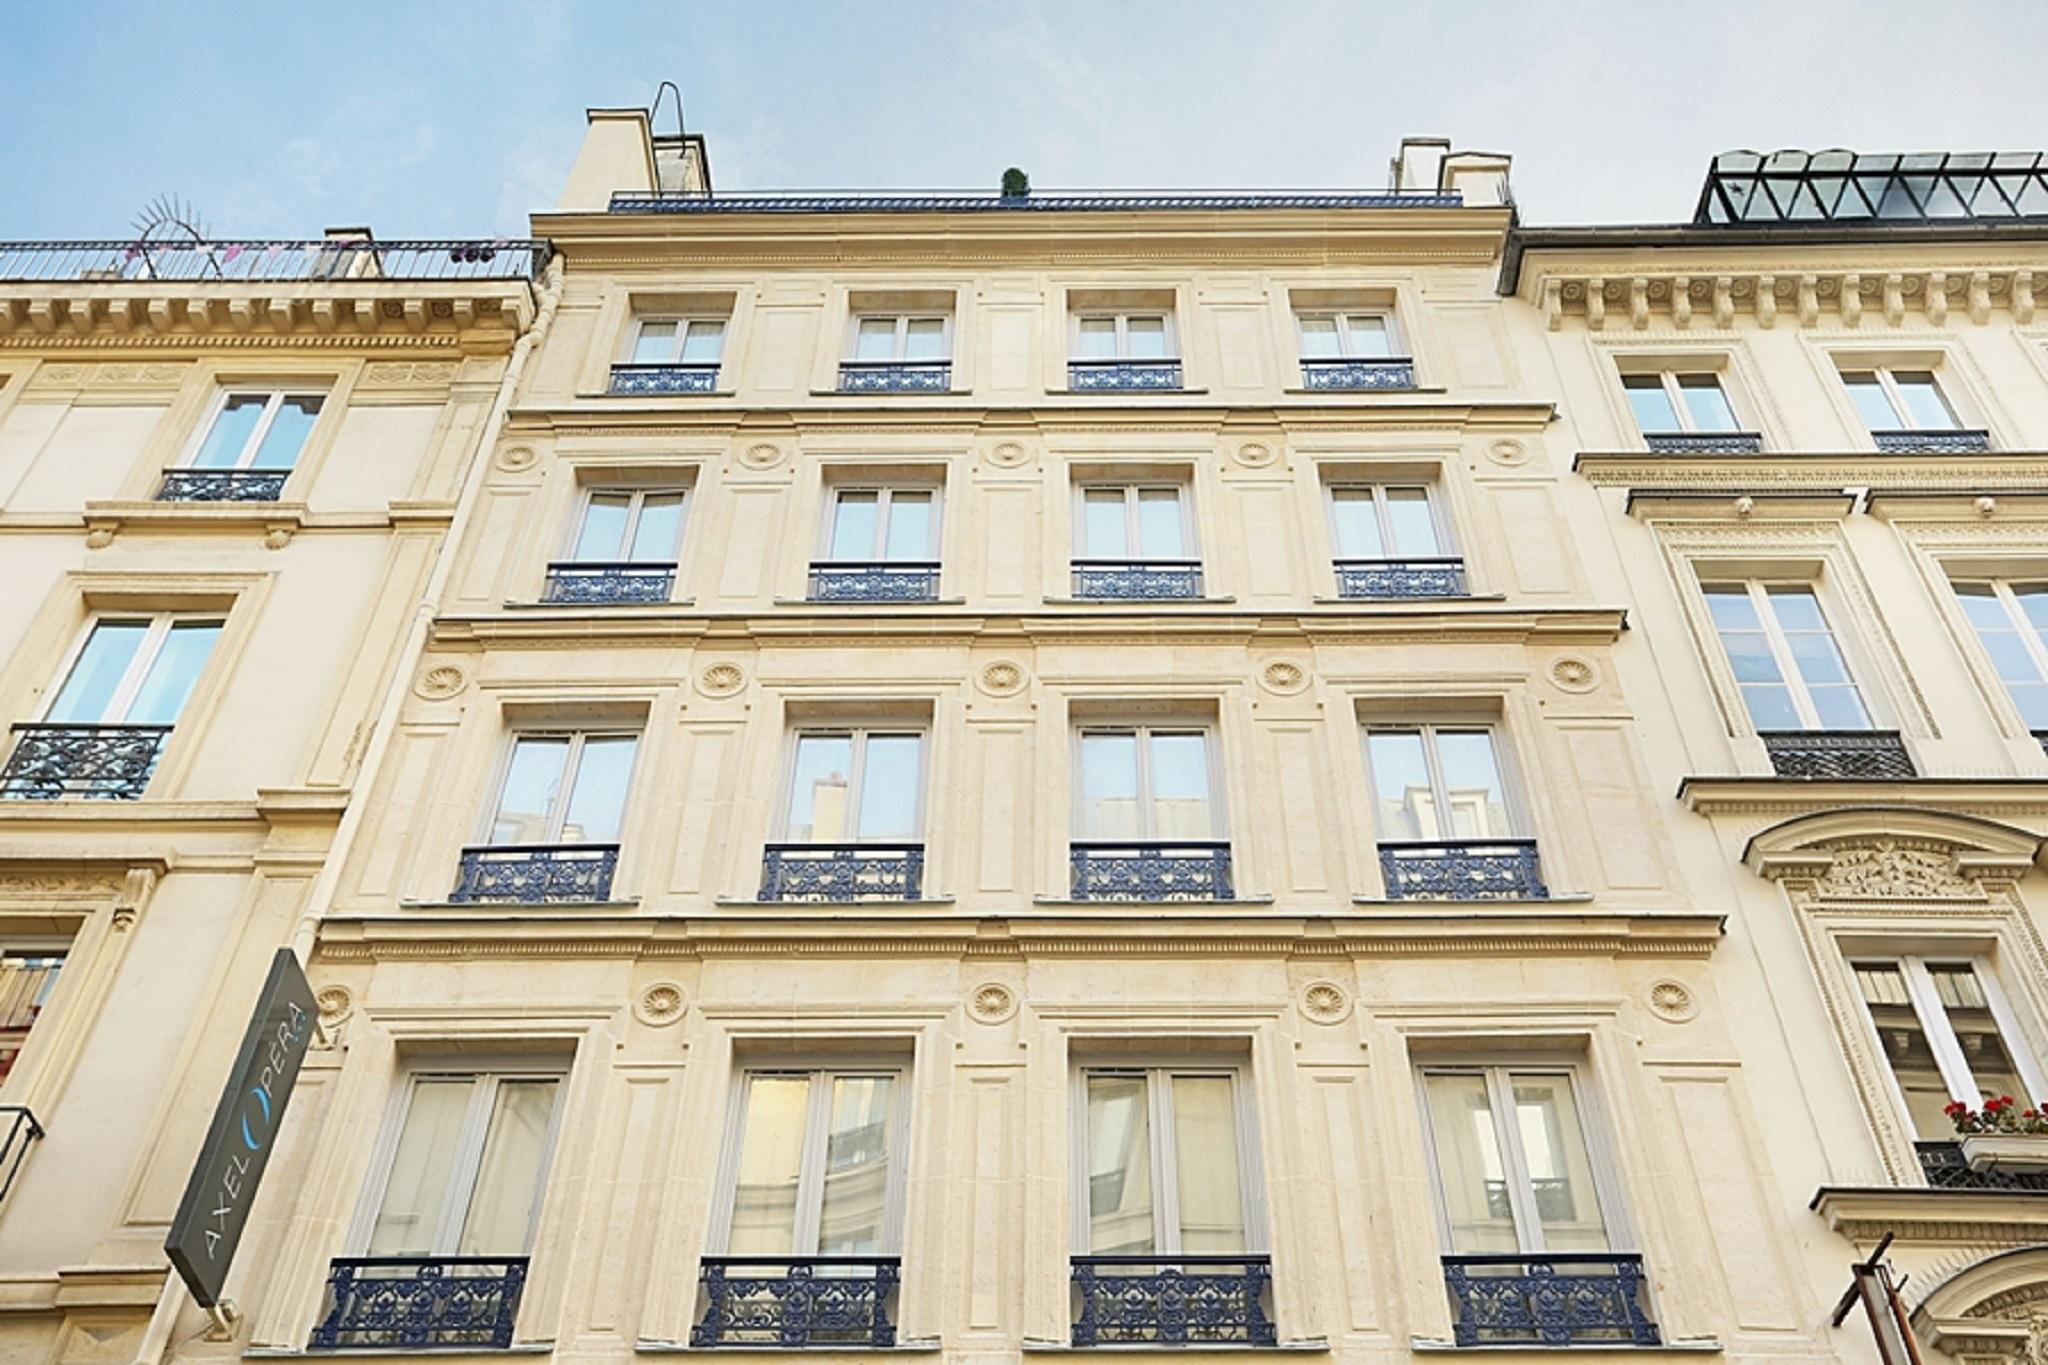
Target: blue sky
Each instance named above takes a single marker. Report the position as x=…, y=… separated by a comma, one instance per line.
x=457, y=118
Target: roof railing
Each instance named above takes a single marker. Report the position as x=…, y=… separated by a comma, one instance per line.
x=1059, y=201
x=328, y=259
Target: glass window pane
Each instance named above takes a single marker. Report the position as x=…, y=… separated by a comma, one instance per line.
x=416, y=1191
x=656, y=344
x=1098, y=338
x=1984, y=1048
x=1649, y=402
x=1771, y=707
x=2033, y=604
x=1731, y=606
x=1370, y=336
x=1980, y=603
x=1926, y=409
x=1109, y=786
x=1147, y=337
x=703, y=343
x=1553, y=1142
x=770, y=1160
x=820, y=794
x=1119, y=1166
x=1749, y=654
x=232, y=427
x=925, y=339
x=856, y=1195
x=1472, y=784
x=1705, y=402
x=533, y=782
x=1413, y=526
x=889, y=783
x=1796, y=607
x=875, y=340
x=1180, y=787
x=855, y=515
x=1400, y=779
x=659, y=529
x=173, y=673
x=604, y=526
x=1870, y=402
x=97, y=672
x=1205, y=1151
x=597, y=806
x=508, y=1179
x=2032, y=701
x=1105, y=535
x=1357, y=519
x=1319, y=339
x=910, y=527
x=1815, y=655
x=1159, y=523
x=1471, y=1177
x=288, y=431
x=1906, y=1048
x=1840, y=707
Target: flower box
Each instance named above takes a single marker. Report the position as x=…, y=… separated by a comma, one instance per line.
x=2009, y=1152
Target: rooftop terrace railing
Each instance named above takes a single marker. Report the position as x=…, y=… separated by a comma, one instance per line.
x=1063, y=201
x=1838, y=186
x=252, y=262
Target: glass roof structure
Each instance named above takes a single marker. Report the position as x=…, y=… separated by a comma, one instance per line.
x=1837, y=186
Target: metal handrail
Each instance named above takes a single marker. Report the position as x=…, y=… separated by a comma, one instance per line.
x=333, y=260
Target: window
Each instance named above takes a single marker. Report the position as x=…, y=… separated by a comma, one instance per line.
x=466, y=1169
x=1786, y=663
x=856, y=786
x=1435, y=783
x=630, y=526
x=1122, y=336
x=1946, y=1030
x=1514, y=1169
x=27, y=976
x=1899, y=400
x=1135, y=521
x=564, y=789
x=884, y=338
x=1347, y=336
x=2010, y=618
x=1167, y=1161
x=256, y=429
x=135, y=670
x=874, y=525
x=679, y=341
x=817, y=1163
x=1142, y=782
x=1385, y=521
x=1667, y=401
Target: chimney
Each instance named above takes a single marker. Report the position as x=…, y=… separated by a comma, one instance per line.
x=681, y=165
x=617, y=154
x=1428, y=164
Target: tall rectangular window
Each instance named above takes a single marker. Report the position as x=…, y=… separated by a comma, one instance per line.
x=1899, y=400
x=901, y=337
x=134, y=670
x=2011, y=621
x=1167, y=1168
x=257, y=429
x=1123, y=336
x=1385, y=521
x=1135, y=521
x=679, y=341
x=1948, y=1033
x=630, y=526
x=878, y=525
x=465, y=1174
x=1791, y=672
x=817, y=1163
x=27, y=977
x=1514, y=1169
x=1437, y=782
x=856, y=786
x=564, y=788
x=1347, y=336
x=1146, y=782
x=1668, y=401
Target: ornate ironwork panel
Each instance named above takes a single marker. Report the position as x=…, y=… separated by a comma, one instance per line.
x=93, y=762
x=1704, y=443
x=1943, y=1165
x=1463, y=870
x=1173, y=1301
x=407, y=1302
x=1158, y=580
x=1932, y=442
x=1839, y=755
x=222, y=485
x=639, y=379
x=640, y=201
x=1091, y=376
x=842, y=872
x=534, y=874
x=18, y=1128
x=1178, y=871
x=797, y=1301
x=1343, y=372
x=1548, y=1300
x=590, y=583
x=895, y=581
x=1372, y=578
x=895, y=376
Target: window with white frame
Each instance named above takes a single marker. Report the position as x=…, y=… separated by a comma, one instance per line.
x=134, y=670
x=1166, y=1162
x=1668, y=401
x=1138, y=521
x=1386, y=521
x=815, y=1163
x=855, y=785
x=901, y=337
x=1791, y=673
x=1437, y=782
x=256, y=429
x=877, y=525
x=1347, y=336
x=2011, y=621
x=698, y=341
x=1899, y=400
x=1146, y=782
x=28, y=974
x=1146, y=335
x=564, y=787
x=630, y=526
x=465, y=1162
x=1948, y=1034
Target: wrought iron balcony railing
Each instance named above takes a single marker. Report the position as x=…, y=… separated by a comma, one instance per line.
x=1943, y=1165
x=1932, y=442
x=1704, y=442
x=879, y=581
x=1355, y=373
x=1839, y=755
x=1541, y=1299
x=222, y=485
x=895, y=376
x=18, y=1128
x=797, y=1301
x=1138, y=580
x=1383, y=578
x=639, y=379
x=412, y=1302
x=88, y=762
x=267, y=260
x=1173, y=1301
x=536, y=874
x=1110, y=376
x=1463, y=870
x=609, y=584
x=1180, y=870
x=842, y=872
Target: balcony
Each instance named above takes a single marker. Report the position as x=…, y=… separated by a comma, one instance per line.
x=1704, y=442
x=1354, y=375
x=596, y=583
x=81, y=762
x=1382, y=579
x=18, y=1128
x=1177, y=871
x=635, y=380
x=1932, y=442
x=1839, y=755
x=535, y=874
x=895, y=376
x=842, y=872
x=1123, y=376
x=797, y=1301
x=1945, y=1168
x=1173, y=1301
x=1138, y=580
x=231, y=262
x=222, y=485
x=1549, y=1300
x=891, y=581
x=411, y=1302
x=1463, y=870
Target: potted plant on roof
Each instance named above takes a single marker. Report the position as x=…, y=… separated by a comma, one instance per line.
x=2002, y=1136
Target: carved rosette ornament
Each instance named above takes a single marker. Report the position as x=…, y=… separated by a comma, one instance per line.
x=1283, y=677
x=992, y=1002
x=1008, y=455
x=1673, y=1001
x=441, y=682
x=660, y=1005
x=1889, y=870
x=761, y=455
x=1325, y=1002
x=1003, y=678
x=721, y=680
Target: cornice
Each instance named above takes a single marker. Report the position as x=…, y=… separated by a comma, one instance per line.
x=1986, y=1218
x=1995, y=798
x=1806, y=471
x=211, y=316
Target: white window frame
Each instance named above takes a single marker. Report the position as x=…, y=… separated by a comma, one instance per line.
x=273, y=400
x=1143, y=730
x=1949, y=1057
x=811, y=1166
x=1520, y=824
x=35, y=948
x=902, y=322
x=856, y=777
x=1846, y=366
x=885, y=496
x=137, y=673
x=566, y=789
x=469, y=1147
x=1170, y=334
x=682, y=322
x=1159, y=1074
x=1344, y=319
x=1191, y=551
x=1439, y=522
x=1674, y=394
x=2016, y=619
x=1781, y=650
x=638, y=496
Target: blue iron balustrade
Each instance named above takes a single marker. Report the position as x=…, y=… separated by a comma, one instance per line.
x=18, y=1128
x=265, y=260
x=842, y=872
x=1704, y=442
x=1833, y=187
x=1138, y=580
x=1112, y=376
x=642, y=201
x=878, y=581
x=222, y=485
x=895, y=376
x=1839, y=755
x=93, y=762
x=608, y=584
x=535, y=874
x=1180, y=870
x=1932, y=442
x=1462, y=870
x=1943, y=1166
x=639, y=379
x=410, y=1302
x=797, y=1301
x=1173, y=1301
x=1541, y=1299
x=1356, y=373
x=1371, y=578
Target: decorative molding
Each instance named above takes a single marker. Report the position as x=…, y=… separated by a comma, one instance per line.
x=1573, y=673
x=1284, y=677
x=514, y=459
x=660, y=1005
x=1255, y=455
x=1672, y=1001
x=1507, y=451
x=992, y=1002
x=1891, y=870
x=1009, y=455
x=336, y=1005
x=1325, y=1002
x=441, y=682
x=1002, y=678
x=721, y=680
x=762, y=455
x=1866, y=297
